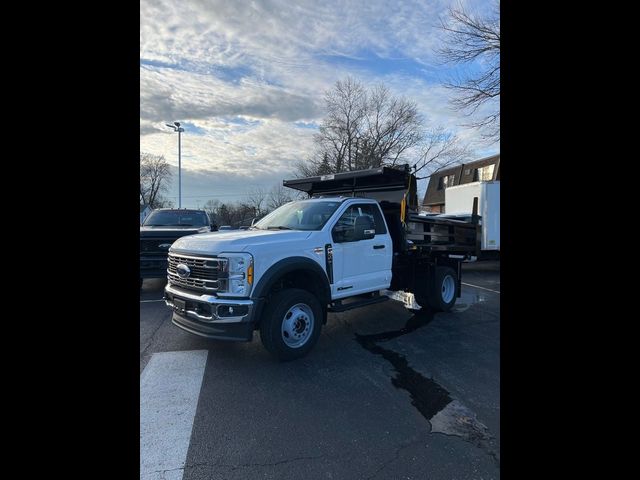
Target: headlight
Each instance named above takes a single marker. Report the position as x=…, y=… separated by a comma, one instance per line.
x=240, y=270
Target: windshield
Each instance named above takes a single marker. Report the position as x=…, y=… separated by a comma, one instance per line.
x=166, y=218
x=300, y=215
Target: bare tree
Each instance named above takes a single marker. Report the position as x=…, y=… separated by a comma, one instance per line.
x=362, y=129
x=212, y=207
x=256, y=199
x=372, y=128
x=438, y=150
x=242, y=213
x=474, y=39
x=317, y=164
x=393, y=125
x=245, y=213
x=339, y=131
x=234, y=214
x=155, y=175
x=278, y=196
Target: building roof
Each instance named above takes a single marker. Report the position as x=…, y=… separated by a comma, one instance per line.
x=462, y=173
x=475, y=164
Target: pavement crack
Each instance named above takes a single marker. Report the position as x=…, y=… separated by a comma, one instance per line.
x=396, y=455
x=151, y=338
x=444, y=413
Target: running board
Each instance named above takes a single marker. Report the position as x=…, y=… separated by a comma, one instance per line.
x=343, y=307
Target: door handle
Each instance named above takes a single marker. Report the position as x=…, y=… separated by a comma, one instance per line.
x=376, y=247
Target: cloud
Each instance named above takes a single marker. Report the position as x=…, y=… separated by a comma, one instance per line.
x=247, y=78
x=167, y=94
x=272, y=146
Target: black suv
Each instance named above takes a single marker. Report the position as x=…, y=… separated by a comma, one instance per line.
x=160, y=229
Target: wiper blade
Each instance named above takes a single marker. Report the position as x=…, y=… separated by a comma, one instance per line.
x=279, y=227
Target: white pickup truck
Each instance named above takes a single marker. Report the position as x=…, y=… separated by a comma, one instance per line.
x=351, y=243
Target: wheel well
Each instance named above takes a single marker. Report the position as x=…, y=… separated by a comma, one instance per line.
x=292, y=272
x=300, y=278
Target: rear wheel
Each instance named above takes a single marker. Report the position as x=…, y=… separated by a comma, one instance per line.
x=444, y=289
x=291, y=324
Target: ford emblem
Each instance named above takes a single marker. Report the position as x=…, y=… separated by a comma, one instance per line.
x=183, y=270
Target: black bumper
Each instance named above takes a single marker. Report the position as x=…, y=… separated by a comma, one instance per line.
x=239, y=332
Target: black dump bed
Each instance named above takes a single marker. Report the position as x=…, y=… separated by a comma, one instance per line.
x=382, y=179
x=396, y=191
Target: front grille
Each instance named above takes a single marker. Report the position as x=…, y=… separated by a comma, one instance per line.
x=207, y=274
x=196, y=283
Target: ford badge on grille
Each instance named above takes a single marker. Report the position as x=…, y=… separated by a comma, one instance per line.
x=183, y=270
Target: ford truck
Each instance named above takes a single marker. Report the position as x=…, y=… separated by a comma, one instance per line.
x=160, y=229
x=357, y=240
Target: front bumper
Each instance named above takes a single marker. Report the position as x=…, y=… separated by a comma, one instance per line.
x=209, y=316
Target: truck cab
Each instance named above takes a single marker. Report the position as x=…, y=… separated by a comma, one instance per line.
x=335, y=251
x=160, y=229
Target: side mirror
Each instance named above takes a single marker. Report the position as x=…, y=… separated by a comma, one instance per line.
x=364, y=228
x=342, y=233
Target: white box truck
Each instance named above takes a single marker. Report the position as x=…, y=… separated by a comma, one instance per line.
x=458, y=202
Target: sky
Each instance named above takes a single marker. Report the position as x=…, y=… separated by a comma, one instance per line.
x=246, y=79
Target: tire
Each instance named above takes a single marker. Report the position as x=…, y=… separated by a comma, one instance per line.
x=444, y=289
x=291, y=324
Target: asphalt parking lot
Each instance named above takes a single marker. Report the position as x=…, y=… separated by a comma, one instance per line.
x=384, y=394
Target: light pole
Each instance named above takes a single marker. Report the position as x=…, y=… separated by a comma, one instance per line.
x=176, y=128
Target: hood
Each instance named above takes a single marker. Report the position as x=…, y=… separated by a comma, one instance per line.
x=171, y=231
x=235, y=241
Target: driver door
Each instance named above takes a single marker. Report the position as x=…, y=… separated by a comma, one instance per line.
x=360, y=265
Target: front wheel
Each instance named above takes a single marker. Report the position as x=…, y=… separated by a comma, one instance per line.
x=291, y=324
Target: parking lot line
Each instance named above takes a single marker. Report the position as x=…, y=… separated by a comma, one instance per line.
x=149, y=301
x=169, y=390
x=481, y=288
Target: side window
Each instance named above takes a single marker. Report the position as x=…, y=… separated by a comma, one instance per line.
x=343, y=229
x=378, y=221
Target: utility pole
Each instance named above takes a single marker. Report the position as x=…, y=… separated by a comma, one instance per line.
x=176, y=128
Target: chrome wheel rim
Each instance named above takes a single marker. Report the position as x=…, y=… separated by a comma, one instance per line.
x=297, y=325
x=448, y=288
